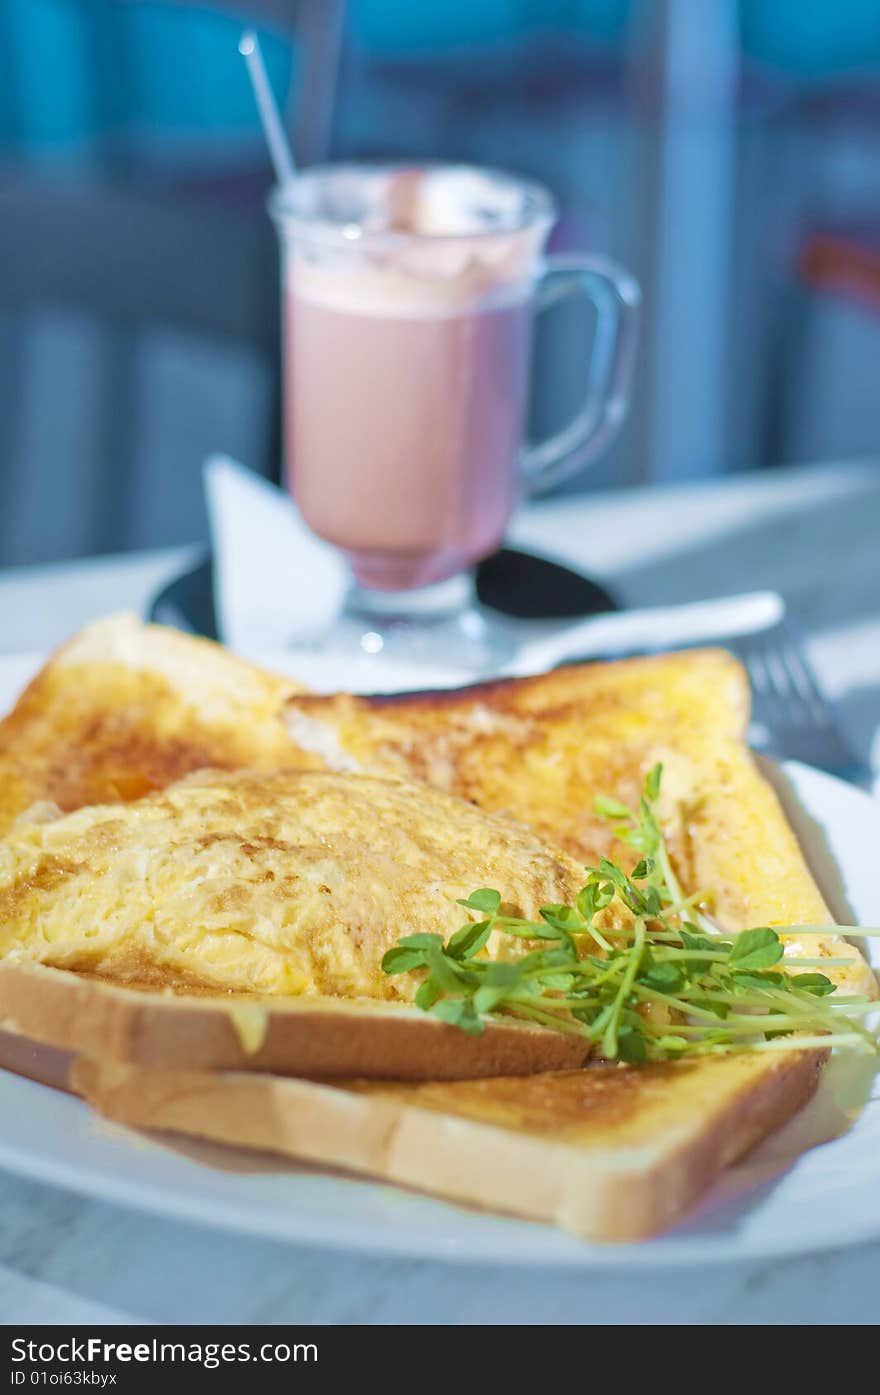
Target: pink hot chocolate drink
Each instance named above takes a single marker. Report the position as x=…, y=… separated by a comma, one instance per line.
x=404, y=433
x=409, y=301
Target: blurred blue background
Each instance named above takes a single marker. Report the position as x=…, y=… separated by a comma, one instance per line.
x=725, y=152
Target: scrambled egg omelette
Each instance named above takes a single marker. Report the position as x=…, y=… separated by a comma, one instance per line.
x=290, y=883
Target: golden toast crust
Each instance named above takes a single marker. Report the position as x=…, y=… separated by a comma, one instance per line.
x=290, y=1036
x=609, y=1153
x=124, y=708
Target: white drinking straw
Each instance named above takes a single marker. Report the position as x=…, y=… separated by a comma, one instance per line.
x=273, y=130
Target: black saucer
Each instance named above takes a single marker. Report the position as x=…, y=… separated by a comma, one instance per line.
x=515, y=583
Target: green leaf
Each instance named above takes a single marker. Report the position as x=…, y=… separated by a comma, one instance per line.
x=817, y=984
x=544, y=960
x=652, y=782
x=469, y=940
x=445, y=971
x=650, y=828
x=504, y=974
x=536, y=930
x=642, y=869
x=631, y=1046
x=565, y=921
x=487, y=998
x=561, y=917
x=652, y=902
x=400, y=960
x=529, y=988
x=458, y=1012
x=522, y=929
x=760, y=948
x=634, y=899
x=759, y=981
x=690, y=940
x=612, y=872
x=420, y=941
x=558, y=982
x=608, y=808
x=637, y=838
x=484, y=900
x=603, y=895
x=696, y=940
x=427, y=995
x=665, y=977
x=586, y=1014
x=586, y=901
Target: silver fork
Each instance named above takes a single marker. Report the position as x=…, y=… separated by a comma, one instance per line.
x=791, y=717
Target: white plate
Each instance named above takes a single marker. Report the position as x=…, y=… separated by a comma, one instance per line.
x=776, y=1203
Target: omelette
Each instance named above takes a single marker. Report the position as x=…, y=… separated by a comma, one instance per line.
x=293, y=884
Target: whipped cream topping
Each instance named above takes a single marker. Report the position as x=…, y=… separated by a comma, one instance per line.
x=411, y=241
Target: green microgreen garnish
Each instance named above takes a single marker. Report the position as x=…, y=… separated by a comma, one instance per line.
x=635, y=966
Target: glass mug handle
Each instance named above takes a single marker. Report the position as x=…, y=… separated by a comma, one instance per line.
x=616, y=298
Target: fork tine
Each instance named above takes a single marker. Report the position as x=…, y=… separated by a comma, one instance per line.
x=789, y=708
x=803, y=679
x=782, y=684
x=768, y=701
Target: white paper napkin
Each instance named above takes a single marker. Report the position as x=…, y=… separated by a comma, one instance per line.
x=275, y=583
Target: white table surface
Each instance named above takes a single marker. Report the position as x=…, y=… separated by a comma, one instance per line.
x=810, y=533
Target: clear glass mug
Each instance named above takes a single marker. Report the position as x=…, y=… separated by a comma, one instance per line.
x=409, y=300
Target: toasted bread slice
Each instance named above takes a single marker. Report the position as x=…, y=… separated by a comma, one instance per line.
x=125, y=708
x=326, y=1037
x=48, y=1065
x=609, y=1153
